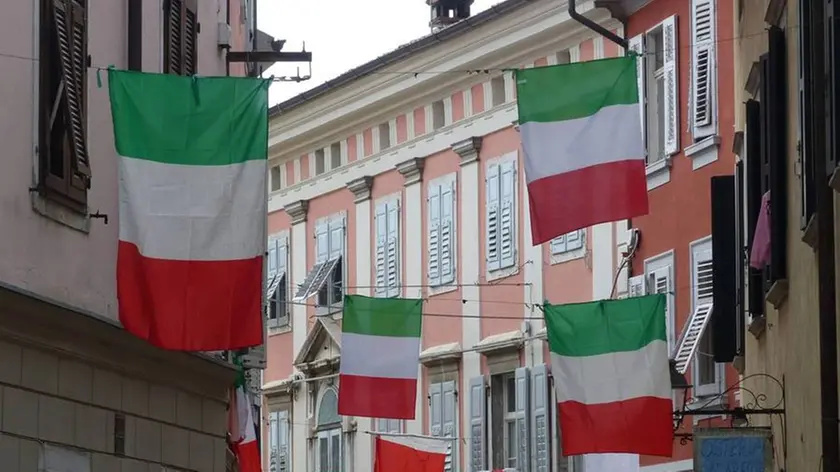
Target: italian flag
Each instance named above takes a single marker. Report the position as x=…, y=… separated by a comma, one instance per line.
x=243, y=430
x=584, y=152
x=192, y=208
x=380, y=357
x=609, y=360
x=410, y=454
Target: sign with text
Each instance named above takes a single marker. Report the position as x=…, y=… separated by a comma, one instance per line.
x=733, y=450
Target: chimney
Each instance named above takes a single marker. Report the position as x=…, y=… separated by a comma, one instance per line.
x=447, y=12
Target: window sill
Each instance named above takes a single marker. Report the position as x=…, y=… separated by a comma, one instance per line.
x=443, y=288
x=757, y=326
x=778, y=293
x=809, y=234
x=277, y=330
x=703, y=152
x=568, y=256
x=46, y=207
x=503, y=273
x=658, y=173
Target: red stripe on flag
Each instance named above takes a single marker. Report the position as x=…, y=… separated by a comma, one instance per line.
x=586, y=197
x=248, y=455
x=639, y=426
x=376, y=397
x=392, y=457
x=190, y=305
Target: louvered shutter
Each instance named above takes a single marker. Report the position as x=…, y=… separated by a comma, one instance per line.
x=337, y=227
x=540, y=445
x=672, y=91
x=181, y=37
x=703, y=65
x=271, y=258
x=660, y=282
x=574, y=240
x=447, y=229
x=322, y=242
x=703, y=277
x=492, y=231
x=507, y=219
x=281, y=294
x=523, y=419
x=636, y=286
x=381, y=223
x=558, y=245
x=637, y=45
x=392, y=271
x=436, y=410
x=284, y=457
x=190, y=38
x=450, y=414
x=478, y=438
x=274, y=441
x=435, y=218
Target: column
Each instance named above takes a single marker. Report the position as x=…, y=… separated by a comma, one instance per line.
x=412, y=172
x=297, y=212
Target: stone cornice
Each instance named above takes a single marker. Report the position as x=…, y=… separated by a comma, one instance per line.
x=468, y=149
x=361, y=188
x=297, y=211
x=411, y=170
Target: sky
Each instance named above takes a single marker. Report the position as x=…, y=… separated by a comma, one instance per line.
x=341, y=34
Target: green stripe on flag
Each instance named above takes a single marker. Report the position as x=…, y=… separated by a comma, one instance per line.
x=397, y=317
x=569, y=91
x=605, y=326
x=199, y=121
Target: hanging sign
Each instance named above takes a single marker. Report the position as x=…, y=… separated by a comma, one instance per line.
x=733, y=450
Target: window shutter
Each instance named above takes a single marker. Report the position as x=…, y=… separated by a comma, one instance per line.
x=322, y=242
x=434, y=234
x=492, y=221
x=274, y=439
x=672, y=92
x=752, y=188
x=507, y=219
x=703, y=65
x=477, y=435
x=540, y=445
x=172, y=34
x=703, y=279
x=661, y=282
x=271, y=261
x=337, y=227
x=574, y=240
x=393, y=241
x=447, y=225
x=436, y=410
x=281, y=294
x=775, y=96
x=381, y=248
x=523, y=419
x=558, y=244
x=807, y=152
x=637, y=45
x=190, y=38
x=740, y=261
x=450, y=414
x=284, y=458
x=636, y=286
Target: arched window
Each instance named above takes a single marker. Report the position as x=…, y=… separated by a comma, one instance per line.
x=328, y=454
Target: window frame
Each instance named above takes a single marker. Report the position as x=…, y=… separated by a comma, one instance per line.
x=332, y=305
x=657, y=263
x=277, y=421
x=284, y=321
x=696, y=248
x=653, y=75
x=170, y=65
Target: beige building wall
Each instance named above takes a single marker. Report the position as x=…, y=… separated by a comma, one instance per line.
x=788, y=348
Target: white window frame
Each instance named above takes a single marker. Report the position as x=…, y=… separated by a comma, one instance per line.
x=495, y=274
x=389, y=290
x=696, y=248
x=657, y=263
x=699, y=45
x=276, y=324
x=449, y=286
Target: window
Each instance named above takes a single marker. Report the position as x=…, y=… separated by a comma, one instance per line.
x=389, y=426
x=328, y=456
x=276, y=178
x=441, y=202
x=335, y=156
x=443, y=414
x=658, y=89
x=696, y=338
x=64, y=165
x=659, y=278
x=438, y=115
x=568, y=242
x=326, y=278
x=180, y=37
x=704, y=114
x=388, y=248
x=497, y=90
x=500, y=218
x=384, y=136
x=277, y=283
x=279, y=452
x=503, y=422
x=320, y=162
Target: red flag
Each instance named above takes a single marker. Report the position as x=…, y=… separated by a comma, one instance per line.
x=410, y=454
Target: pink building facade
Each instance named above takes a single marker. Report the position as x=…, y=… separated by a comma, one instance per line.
x=74, y=387
x=407, y=180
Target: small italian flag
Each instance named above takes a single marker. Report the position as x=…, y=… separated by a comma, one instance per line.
x=609, y=360
x=584, y=152
x=410, y=454
x=380, y=357
x=243, y=429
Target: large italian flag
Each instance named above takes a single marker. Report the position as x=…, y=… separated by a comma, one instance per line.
x=582, y=142
x=380, y=357
x=410, y=454
x=192, y=208
x=609, y=360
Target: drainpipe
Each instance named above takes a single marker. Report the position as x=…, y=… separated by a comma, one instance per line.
x=135, y=35
x=573, y=13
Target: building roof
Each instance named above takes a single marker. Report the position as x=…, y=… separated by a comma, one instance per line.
x=401, y=53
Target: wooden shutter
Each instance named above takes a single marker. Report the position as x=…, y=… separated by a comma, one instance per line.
x=477, y=434
x=337, y=238
x=523, y=419
x=436, y=409
x=753, y=187
x=807, y=155
x=273, y=439
x=507, y=215
x=284, y=435
x=558, y=245
x=190, y=46
x=281, y=295
x=660, y=281
x=691, y=335
x=540, y=425
x=447, y=230
x=449, y=421
x=492, y=224
x=574, y=240
x=181, y=37
x=637, y=45
x=392, y=270
x=322, y=242
x=703, y=67
x=775, y=98
x=672, y=90
x=435, y=218
x=381, y=224
x=740, y=259
x=725, y=267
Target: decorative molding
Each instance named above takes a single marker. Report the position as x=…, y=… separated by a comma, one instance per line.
x=468, y=149
x=412, y=170
x=361, y=188
x=297, y=211
x=753, y=80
